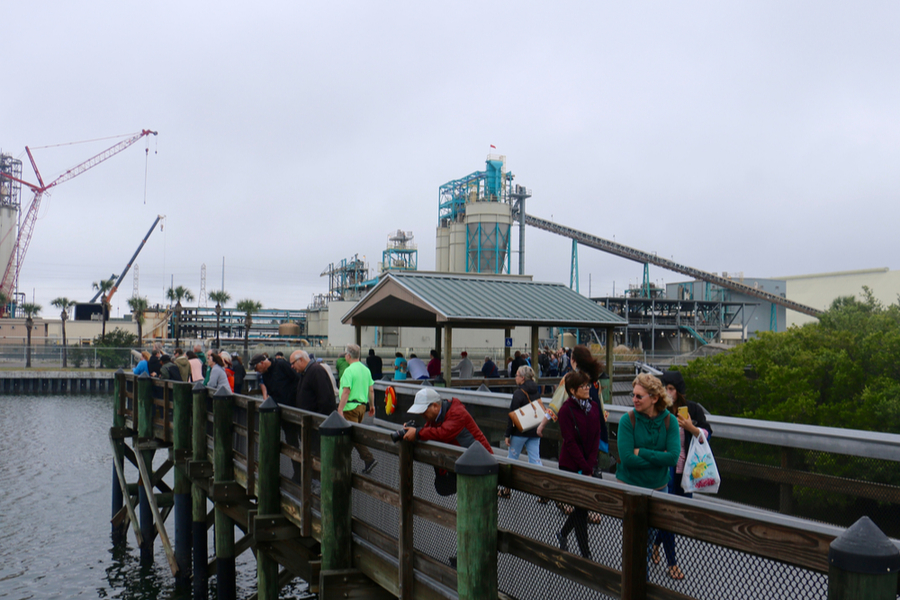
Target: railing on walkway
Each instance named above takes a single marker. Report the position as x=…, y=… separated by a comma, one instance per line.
x=404, y=534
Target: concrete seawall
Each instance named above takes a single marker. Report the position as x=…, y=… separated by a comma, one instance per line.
x=56, y=382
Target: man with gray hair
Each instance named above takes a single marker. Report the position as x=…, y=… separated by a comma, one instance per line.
x=357, y=391
x=315, y=391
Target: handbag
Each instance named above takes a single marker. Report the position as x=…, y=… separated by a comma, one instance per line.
x=559, y=398
x=528, y=416
x=701, y=474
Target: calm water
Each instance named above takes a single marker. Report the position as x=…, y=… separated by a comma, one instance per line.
x=55, y=479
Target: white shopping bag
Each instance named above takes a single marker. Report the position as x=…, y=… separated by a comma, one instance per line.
x=700, y=472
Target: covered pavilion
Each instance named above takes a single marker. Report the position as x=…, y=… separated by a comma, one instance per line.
x=448, y=301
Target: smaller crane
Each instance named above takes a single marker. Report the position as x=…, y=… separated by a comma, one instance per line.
x=140, y=247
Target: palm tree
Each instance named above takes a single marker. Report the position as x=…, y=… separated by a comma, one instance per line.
x=31, y=311
x=138, y=306
x=4, y=300
x=63, y=304
x=221, y=297
x=105, y=286
x=177, y=294
x=248, y=307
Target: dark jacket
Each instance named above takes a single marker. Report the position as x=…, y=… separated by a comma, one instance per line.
x=454, y=425
x=315, y=392
x=170, y=371
x=579, y=444
x=698, y=418
x=281, y=382
x=240, y=373
x=526, y=394
x=376, y=366
x=489, y=369
x=154, y=365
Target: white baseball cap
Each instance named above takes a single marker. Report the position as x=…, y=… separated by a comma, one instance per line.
x=424, y=398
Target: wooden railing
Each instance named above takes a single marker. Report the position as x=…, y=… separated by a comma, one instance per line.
x=382, y=562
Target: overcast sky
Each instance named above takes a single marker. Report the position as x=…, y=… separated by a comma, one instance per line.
x=760, y=137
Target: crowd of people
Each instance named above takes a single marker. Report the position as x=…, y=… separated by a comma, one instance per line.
x=213, y=368
x=652, y=440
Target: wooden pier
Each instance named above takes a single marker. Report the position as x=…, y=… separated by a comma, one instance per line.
x=308, y=512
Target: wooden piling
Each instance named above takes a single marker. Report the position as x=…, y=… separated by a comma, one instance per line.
x=118, y=454
x=269, y=492
x=476, y=524
x=634, y=546
x=863, y=563
x=199, y=463
x=182, y=449
x=337, y=489
x=223, y=473
x=145, y=434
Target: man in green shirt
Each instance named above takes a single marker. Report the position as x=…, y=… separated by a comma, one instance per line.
x=357, y=391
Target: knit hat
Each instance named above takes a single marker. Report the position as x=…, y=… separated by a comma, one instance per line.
x=674, y=378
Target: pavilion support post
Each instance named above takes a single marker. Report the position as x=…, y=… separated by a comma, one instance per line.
x=506, y=334
x=358, y=337
x=447, y=357
x=476, y=524
x=535, y=337
x=198, y=495
x=182, y=448
x=145, y=434
x=438, y=344
x=223, y=473
x=610, y=342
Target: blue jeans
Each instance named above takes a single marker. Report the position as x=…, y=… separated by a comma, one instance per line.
x=531, y=444
x=667, y=538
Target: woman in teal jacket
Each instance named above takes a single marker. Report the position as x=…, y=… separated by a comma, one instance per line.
x=648, y=436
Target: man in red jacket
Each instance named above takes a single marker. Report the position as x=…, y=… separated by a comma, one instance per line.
x=446, y=421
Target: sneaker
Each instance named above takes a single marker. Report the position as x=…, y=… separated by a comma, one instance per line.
x=369, y=466
x=563, y=542
x=452, y=562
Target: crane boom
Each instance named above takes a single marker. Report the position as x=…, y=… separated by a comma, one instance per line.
x=593, y=241
x=130, y=262
x=11, y=274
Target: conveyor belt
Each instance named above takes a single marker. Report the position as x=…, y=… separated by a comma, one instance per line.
x=593, y=241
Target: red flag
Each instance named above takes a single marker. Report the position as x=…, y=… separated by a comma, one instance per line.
x=493, y=146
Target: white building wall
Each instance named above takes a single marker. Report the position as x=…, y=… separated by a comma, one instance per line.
x=820, y=290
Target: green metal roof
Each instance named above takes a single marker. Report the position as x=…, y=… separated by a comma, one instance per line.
x=429, y=299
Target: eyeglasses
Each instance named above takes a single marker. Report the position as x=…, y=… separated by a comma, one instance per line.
x=639, y=396
x=584, y=386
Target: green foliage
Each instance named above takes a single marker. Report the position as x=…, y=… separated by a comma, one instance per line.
x=220, y=297
x=113, y=348
x=843, y=371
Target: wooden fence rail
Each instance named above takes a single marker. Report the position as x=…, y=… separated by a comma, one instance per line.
x=308, y=537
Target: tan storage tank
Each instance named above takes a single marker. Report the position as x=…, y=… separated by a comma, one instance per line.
x=288, y=330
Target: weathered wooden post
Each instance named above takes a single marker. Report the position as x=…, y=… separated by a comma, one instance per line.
x=476, y=524
x=863, y=563
x=337, y=489
x=223, y=473
x=635, y=532
x=118, y=452
x=145, y=434
x=182, y=447
x=198, y=495
x=268, y=491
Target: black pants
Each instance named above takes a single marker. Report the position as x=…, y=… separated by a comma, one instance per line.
x=577, y=521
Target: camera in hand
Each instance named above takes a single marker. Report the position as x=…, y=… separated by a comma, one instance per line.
x=396, y=436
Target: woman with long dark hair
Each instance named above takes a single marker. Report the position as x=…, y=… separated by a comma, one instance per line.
x=694, y=424
x=580, y=422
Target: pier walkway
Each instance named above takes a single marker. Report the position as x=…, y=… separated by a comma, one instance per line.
x=306, y=511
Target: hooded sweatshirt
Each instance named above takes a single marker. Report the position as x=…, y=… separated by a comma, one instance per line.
x=659, y=449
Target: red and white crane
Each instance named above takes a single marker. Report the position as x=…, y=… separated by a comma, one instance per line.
x=10, y=279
